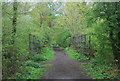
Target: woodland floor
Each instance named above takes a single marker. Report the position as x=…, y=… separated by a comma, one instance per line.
x=63, y=67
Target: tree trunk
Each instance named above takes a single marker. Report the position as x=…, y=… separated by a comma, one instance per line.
x=41, y=20
x=14, y=21
x=115, y=49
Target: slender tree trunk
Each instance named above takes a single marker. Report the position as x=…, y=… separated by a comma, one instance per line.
x=14, y=20
x=41, y=20
x=50, y=24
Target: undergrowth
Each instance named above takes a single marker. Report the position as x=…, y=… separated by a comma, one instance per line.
x=97, y=70
x=73, y=54
x=101, y=71
x=33, y=68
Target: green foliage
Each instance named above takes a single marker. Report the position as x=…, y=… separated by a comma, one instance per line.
x=96, y=68
x=39, y=57
x=48, y=53
x=63, y=38
x=16, y=56
x=30, y=73
x=103, y=26
x=73, y=54
x=33, y=68
x=32, y=64
x=104, y=40
x=100, y=20
x=100, y=71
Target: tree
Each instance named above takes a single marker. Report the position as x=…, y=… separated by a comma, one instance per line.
x=109, y=12
x=14, y=20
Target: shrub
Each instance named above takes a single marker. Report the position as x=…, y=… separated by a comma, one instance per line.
x=47, y=52
x=72, y=53
x=32, y=64
x=39, y=57
x=30, y=73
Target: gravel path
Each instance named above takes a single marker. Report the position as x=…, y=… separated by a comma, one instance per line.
x=63, y=67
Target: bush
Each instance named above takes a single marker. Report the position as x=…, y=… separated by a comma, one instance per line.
x=97, y=71
x=47, y=52
x=32, y=64
x=72, y=53
x=39, y=57
x=30, y=73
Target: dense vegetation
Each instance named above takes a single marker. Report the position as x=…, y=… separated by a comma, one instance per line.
x=30, y=30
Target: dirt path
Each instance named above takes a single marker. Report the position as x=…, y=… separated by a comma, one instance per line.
x=64, y=67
